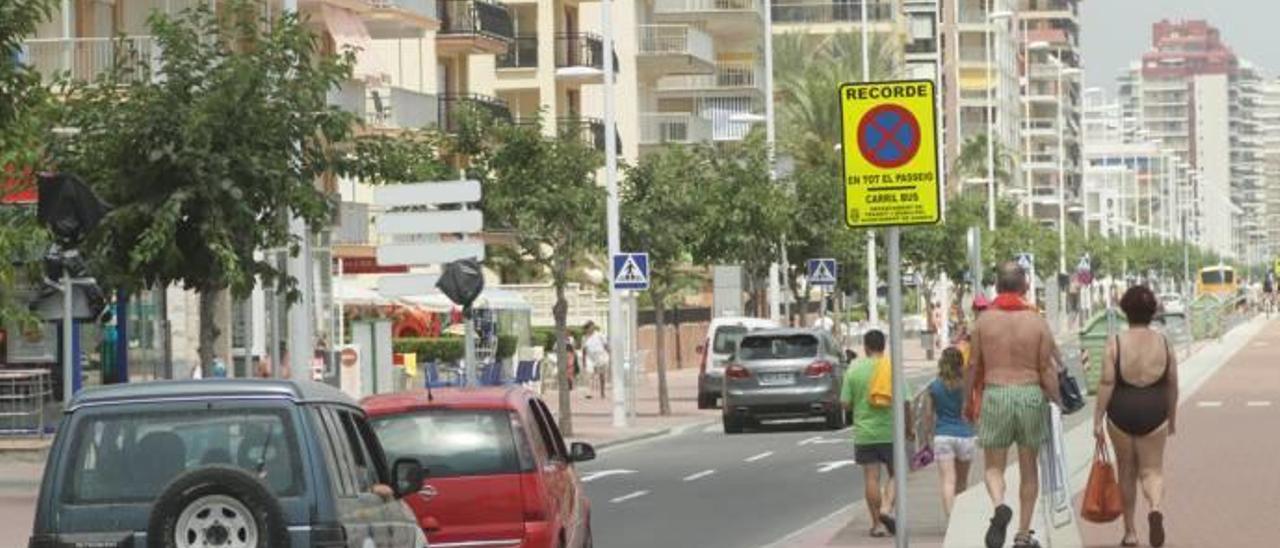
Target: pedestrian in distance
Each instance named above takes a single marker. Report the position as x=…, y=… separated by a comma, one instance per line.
x=952, y=436
x=1012, y=374
x=872, y=432
x=1138, y=403
x=595, y=353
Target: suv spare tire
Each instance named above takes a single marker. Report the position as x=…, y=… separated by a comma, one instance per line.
x=220, y=506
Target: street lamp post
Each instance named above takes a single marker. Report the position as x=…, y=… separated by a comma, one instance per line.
x=993, y=93
x=613, y=221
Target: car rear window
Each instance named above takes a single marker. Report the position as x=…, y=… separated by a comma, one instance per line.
x=777, y=347
x=131, y=457
x=453, y=443
x=727, y=337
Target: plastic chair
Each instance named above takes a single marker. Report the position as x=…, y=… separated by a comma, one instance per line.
x=525, y=371
x=491, y=374
x=433, y=377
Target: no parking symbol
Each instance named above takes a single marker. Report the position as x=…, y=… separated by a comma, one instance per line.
x=890, y=154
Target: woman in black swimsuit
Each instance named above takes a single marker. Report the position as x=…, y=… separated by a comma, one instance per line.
x=1138, y=397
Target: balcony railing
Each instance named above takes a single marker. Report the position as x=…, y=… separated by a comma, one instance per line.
x=523, y=53
x=350, y=97
x=661, y=127
x=475, y=17
x=423, y=8
x=817, y=11
x=928, y=45
x=449, y=105
x=675, y=40
x=399, y=108
x=662, y=7
x=728, y=75
x=87, y=58
x=581, y=49
x=590, y=130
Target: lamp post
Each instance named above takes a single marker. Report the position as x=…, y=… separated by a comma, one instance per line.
x=1062, y=157
x=993, y=92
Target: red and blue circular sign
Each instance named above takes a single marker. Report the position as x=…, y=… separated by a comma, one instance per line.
x=888, y=136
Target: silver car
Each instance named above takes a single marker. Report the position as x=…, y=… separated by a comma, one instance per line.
x=783, y=374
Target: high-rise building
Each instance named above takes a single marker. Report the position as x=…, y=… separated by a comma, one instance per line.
x=1269, y=120
x=1051, y=102
x=1191, y=94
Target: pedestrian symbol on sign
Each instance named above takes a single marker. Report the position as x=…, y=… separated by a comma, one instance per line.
x=631, y=271
x=821, y=272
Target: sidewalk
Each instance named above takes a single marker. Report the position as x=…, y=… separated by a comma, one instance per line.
x=593, y=417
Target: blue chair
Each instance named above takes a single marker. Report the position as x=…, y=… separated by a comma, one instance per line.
x=434, y=379
x=491, y=374
x=525, y=371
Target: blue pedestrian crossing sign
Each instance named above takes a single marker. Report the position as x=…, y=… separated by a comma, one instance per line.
x=821, y=272
x=631, y=271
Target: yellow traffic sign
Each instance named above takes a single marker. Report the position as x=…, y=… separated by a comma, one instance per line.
x=1276, y=267
x=889, y=142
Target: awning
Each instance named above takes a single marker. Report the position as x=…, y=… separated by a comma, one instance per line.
x=352, y=293
x=349, y=31
x=492, y=299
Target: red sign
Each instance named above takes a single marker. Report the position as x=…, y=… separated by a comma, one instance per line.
x=889, y=136
x=349, y=357
x=369, y=265
x=18, y=188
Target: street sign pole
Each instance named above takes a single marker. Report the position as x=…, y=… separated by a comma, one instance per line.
x=899, y=387
x=613, y=220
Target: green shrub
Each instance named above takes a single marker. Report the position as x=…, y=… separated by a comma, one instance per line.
x=506, y=346
x=546, y=337
x=440, y=349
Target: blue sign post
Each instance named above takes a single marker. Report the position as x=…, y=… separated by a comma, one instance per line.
x=821, y=272
x=631, y=271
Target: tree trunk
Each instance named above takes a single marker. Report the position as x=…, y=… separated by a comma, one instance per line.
x=679, y=347
x=660, y=347
x=804, y=305
x=209, y=330
x=561, y=312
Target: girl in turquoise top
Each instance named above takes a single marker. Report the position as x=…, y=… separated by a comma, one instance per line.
x=953, y=437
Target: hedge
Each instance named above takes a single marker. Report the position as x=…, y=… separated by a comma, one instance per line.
x=546, y=337
x=447, y=349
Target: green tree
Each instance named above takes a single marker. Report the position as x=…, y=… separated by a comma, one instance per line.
x=971, y=163
x=542, y=191
x=206, y=156
x=659, y=196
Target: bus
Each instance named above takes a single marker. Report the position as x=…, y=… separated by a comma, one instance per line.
x=1217, y=280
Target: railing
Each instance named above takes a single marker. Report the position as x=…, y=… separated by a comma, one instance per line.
x=591, y=131
x=424, y=8
x=475, y=17
x=659, y=128
x=349, y=96
x=581, y=49
x=494, y=106
x=704, y=6
x=1040, y=125
x=87, y=58
x=811, y=11
x=24, y=395
x=523, y=53
x=399, y=108
x=927, y=45
x=675, y=39
x=728, y=75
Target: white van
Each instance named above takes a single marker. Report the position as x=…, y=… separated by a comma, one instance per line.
x=722, y=339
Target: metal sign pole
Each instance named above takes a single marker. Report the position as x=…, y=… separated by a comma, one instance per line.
x=68, y=324
x=899, y=388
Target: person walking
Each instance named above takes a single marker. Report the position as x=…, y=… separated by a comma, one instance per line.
x=952, y=436
x=1138, y=398
x=1011, y=366
x=595, y=351
x=872, y=432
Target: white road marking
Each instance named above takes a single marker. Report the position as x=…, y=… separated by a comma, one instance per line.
x=606, y=473
x=754, y=458
x=629, y=496
x=1209, y=404
x=699, y=475
x=1259, y=404
x=1261, y=344
x=819, y=440
x=834, y=465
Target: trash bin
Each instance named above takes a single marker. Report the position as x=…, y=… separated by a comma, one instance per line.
x=1206, y=317
x=1093, y=340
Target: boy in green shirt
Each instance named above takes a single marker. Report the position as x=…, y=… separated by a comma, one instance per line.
x=872, y=433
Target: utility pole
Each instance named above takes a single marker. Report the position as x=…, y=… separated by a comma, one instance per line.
x=873, y=313
x=613, y=218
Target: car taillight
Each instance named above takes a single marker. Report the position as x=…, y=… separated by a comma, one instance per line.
x=735, y=371
x=818, y=370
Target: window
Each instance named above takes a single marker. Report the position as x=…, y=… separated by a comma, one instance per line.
x=778, y=347
x=553, y=428
x=373, y=449
x=366, y=476
x=130, y=457
x=335, y=457
x=727, y=338
x=545, y=437
x=454, y=443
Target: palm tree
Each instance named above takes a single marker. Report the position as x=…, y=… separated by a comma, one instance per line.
x=971, y=163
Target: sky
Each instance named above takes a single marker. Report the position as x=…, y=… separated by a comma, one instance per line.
x=1115, y=32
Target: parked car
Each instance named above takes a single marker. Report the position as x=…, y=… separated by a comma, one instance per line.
x=1172, y=303
x=256, y=463
x=722, y=336
x=783, y=373
x=499, y=473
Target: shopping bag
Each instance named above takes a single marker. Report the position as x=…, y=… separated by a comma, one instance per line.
x=1102, y=501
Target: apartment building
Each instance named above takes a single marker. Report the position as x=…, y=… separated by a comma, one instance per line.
x=1050, y=74
x=1193, y=95
x=1269, y=120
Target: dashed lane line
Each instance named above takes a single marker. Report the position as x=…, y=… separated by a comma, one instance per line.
x=629, y=496
x=754, y=458
x=1258, y=404
x=699, y=475
x=1209, y=404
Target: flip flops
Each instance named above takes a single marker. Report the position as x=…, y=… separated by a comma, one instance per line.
x=999, y=526
x=889, y=523
x=876, y=532
x=1156, y=521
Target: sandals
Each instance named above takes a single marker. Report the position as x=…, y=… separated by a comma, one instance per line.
x=889, y=523
x=1127, y=542
x=877, y=532
x=999, y=526
x=1156, y=521
x=1027, y=540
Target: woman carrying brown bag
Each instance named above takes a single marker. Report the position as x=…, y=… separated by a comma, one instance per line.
x=1138, y=397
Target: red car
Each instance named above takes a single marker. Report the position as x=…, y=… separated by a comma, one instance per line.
x=499, y=473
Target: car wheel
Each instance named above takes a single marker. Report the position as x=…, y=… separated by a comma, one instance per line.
x=706, y=401
x=216, y=506
x=732, y=425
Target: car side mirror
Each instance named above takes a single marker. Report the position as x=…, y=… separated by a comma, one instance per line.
x=407, y=476
x=429, y=525
x=581, y=452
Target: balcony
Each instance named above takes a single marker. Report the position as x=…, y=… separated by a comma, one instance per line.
x=401, y=18
x=473, y=26
x=87, y=58
x=728, y=76
x=449, y=104
x=804, y=12
x=675, y=49
x=591, y=130
x=522, y=54
x=927, y=46
x=349, y=96
x=729, y=19
x=394, y=108
x=580, y=58
x=659, y=128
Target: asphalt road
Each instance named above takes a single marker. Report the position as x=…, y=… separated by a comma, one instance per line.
x=703, y=488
